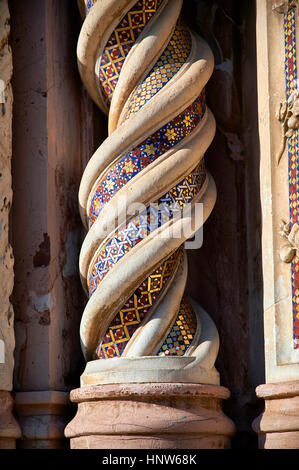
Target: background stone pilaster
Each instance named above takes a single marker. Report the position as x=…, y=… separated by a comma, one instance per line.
x=49, y=145
x=9, y=429
x=277, y=52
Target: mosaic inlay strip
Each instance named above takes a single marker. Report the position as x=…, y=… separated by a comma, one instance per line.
x=136, y=308
x=293, y=157
x=141, y=226
x=120, y=43
x=182, y=332
x=170, y=62
x=89, y=4
x=147, y=152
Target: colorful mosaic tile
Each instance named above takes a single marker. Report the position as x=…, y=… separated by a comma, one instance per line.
x=182, y=332
x=88, y=5
x=293, y=157
x=145, y=222
x=170, y=62
x=148, y=151
x=134, y=311
x=120, y=43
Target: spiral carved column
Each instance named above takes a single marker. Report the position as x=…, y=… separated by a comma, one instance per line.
x=138, y=199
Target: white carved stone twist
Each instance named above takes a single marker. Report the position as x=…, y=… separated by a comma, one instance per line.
x=158, y=86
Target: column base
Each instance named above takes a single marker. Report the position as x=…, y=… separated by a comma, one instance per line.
x=150, y=416
x=43, y=416
x=9, y=428
x=278, y=426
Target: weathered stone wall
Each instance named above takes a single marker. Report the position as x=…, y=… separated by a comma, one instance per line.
x=225, y=274
x=6, y=257
x=49, y=148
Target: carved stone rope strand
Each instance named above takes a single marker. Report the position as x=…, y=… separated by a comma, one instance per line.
x=145, y=69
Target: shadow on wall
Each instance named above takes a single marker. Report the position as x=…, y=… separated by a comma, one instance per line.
x=225, y=275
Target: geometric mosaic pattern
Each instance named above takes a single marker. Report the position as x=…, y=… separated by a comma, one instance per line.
x=141, y=226
x=173, y=58
x=120, y=43
x=175, y=55
x=293, y=157
x=147, y=152
x=134, y=311
x=182, y=332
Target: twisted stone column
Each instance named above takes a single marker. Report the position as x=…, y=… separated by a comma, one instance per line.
x=139, y=196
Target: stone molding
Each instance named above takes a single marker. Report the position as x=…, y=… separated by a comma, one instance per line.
x=42, y=416
x=278, y=426
x=9, y=428
x=278, y=193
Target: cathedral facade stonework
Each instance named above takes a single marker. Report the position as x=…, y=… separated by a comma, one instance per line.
x=149, y=224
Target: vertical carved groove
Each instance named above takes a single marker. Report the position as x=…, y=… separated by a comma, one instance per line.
x=146, y=70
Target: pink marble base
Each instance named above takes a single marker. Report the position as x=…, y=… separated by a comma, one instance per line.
x=150, y=416
x=278, y=426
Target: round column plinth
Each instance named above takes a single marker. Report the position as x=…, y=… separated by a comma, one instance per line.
x=278, y=426
x=150, y=416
